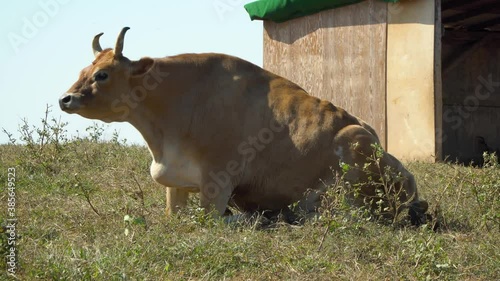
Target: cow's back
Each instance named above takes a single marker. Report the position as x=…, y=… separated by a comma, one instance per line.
x=299, y=150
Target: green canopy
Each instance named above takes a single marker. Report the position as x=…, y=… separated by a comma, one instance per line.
x=283, y=10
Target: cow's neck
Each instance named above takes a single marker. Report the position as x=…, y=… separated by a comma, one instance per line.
x=152, y=133
x=151, y=119
x=156, y=116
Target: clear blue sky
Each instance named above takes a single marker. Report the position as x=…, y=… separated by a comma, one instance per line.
x=45, y=43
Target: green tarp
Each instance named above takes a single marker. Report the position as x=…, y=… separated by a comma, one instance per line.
x=283, y=10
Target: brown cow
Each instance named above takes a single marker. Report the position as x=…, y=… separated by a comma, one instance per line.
x=234, y=132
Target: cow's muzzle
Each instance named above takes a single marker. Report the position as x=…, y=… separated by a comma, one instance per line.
x=69, y=103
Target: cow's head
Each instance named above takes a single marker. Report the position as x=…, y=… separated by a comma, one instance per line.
x=104, y=84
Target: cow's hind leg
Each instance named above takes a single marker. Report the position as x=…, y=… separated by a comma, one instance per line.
x=374, y=172
x=307, y=207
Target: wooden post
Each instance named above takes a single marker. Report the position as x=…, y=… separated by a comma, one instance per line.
x=411, y=113
x=438, y=83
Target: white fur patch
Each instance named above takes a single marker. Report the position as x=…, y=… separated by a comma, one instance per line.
x=176, y=170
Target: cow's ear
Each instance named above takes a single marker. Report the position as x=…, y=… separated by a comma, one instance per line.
x=141, y=67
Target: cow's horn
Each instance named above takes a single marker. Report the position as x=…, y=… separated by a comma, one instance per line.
x=96, y=47
x=119, y=42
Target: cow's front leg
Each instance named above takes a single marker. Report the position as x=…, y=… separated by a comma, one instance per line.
x=214, y=197
x=176, y=200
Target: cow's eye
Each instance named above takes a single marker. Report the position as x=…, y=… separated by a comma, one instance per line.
x=100, y=76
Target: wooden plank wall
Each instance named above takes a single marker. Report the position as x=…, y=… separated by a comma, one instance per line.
x=471, y=100
x=338, y=55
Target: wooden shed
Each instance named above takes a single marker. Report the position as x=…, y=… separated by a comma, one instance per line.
x=424, y=73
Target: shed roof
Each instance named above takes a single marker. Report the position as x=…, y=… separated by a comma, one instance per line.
x=283, y=10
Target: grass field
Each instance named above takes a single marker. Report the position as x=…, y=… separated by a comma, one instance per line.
x=88, y=210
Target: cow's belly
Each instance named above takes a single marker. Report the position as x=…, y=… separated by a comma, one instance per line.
x=274, y=197
x=250, y=203
x=292, y=184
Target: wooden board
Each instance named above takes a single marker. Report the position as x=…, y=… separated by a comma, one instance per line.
x=338, y=55
x=410, y=81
